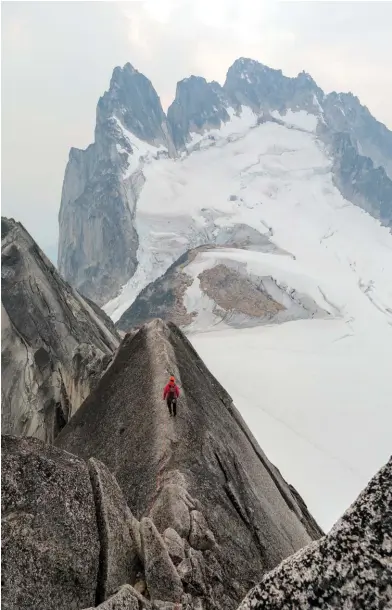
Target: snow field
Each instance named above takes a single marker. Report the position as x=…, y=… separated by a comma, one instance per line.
x=318, y=400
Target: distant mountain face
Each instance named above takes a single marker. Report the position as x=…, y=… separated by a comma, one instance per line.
x=98, y=241
x=103, y=226
x=54, y=345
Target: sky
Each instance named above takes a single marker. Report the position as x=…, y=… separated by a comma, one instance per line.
x=57, y=59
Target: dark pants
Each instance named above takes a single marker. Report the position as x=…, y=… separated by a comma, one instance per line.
x=171, y=402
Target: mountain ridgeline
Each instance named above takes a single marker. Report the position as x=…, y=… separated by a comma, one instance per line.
x=99, y=240
x=117, y=506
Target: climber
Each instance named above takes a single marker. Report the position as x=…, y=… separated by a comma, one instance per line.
x=171, y=393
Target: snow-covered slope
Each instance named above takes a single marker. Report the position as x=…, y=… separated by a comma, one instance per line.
x=275, y=179
x=317, y=395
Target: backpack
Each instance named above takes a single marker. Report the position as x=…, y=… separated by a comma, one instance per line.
x=172, y=391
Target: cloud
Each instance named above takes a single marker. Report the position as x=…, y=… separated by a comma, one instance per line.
x=57, y=60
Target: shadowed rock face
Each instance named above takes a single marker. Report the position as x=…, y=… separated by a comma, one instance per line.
x=345, y=114
x=349, y=568
x=197, y=104
x=360, y=181
x=97, y=238
x=54, y=343
x=201, y=474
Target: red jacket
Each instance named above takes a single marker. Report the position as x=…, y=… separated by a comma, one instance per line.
x=171, y=388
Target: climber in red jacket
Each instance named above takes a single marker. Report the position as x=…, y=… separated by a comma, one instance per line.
x=171, y=392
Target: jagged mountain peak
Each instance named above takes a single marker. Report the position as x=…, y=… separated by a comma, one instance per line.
x=103, y=183
x=198, y=105
x=191, y=79
x=133, y=100
x=305, y=75
x=133, y=131
x=244, y=63
x=193, y=84
x=245, y=67
x=121, y=74
x=253, y=84
x=127, y=68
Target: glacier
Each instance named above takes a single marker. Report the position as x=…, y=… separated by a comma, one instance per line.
x=274, y=178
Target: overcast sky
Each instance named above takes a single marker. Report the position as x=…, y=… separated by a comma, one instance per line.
x=57, y=59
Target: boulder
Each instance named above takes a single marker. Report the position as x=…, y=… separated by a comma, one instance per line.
x=163, y=582
x=200, y=536
x=171, y=509
x=50, y=544
x=192, y=573
x=174, y=544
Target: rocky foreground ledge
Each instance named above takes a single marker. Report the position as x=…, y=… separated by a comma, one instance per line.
x=133, y=510
x=186, y=510
x=349, y=568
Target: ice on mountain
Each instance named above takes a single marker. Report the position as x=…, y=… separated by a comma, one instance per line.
x=300, y=119
x=142, y=152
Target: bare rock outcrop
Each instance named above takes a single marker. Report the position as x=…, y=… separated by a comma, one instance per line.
x=185, y=513
x=174, y=544
x=125, y=598
x=54, y=344
x=201, y=474
x=205, y=286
